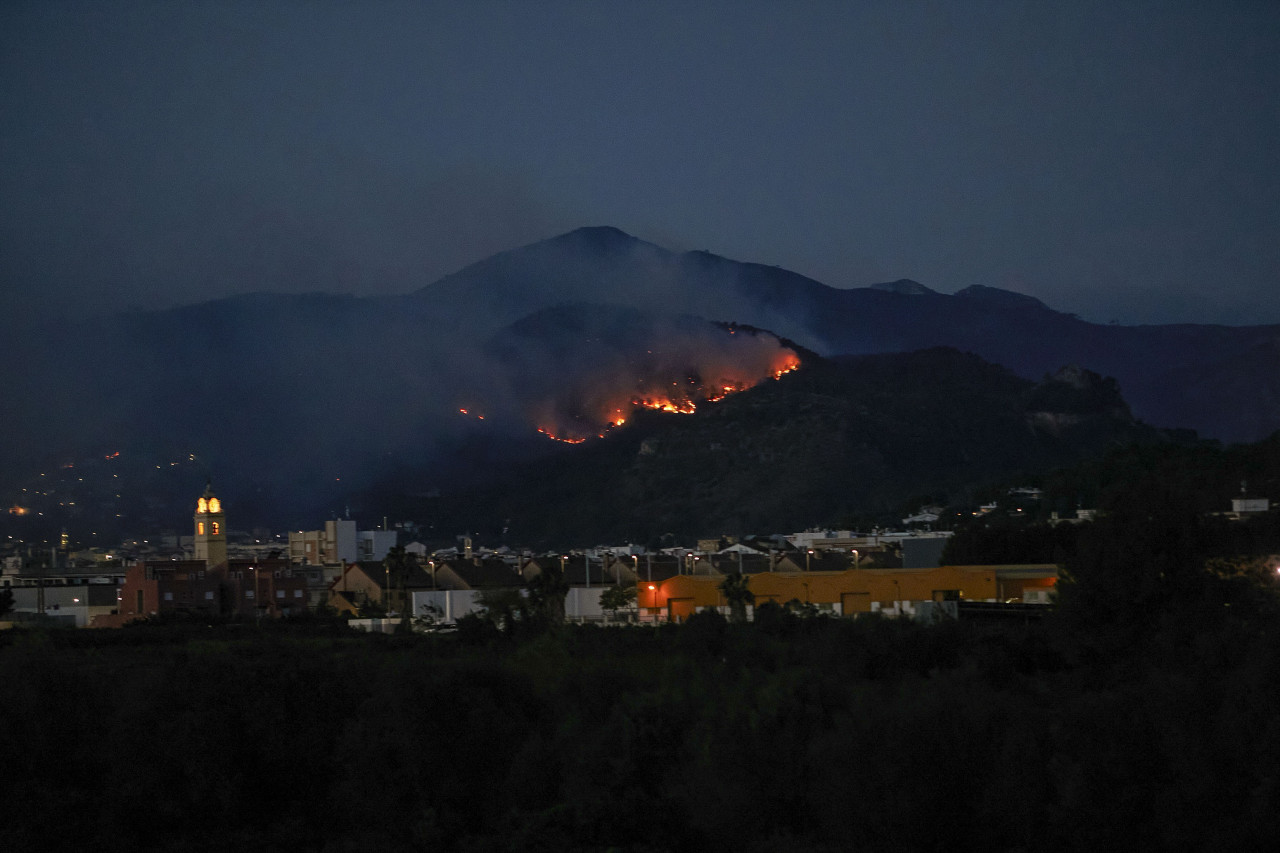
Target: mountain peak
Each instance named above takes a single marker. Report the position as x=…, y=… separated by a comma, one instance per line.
x=904, y=287
x=999, y=295
x=600, y=236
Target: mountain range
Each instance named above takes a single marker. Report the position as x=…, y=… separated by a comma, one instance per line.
x=1222, y=381
x=297, y=401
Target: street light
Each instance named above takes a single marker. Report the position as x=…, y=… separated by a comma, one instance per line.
x=257, y=605
x=653, y=602
x=807, y=557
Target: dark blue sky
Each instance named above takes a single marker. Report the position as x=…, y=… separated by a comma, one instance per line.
x=1117, y=160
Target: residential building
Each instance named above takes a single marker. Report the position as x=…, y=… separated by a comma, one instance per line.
x=373, y=545
x=366, y=584
x=335, y=544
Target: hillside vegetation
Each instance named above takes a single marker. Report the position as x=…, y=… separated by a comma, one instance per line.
x=839, y=441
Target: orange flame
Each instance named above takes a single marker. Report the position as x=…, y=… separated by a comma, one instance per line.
x=680, y=399
x=554, y=437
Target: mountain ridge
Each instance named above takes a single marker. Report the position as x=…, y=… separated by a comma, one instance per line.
x=301, y=392
x=1003, y=326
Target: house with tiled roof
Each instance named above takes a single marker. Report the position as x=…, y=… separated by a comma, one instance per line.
x=367, y=584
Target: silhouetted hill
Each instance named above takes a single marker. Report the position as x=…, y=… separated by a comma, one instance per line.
x=838, y=439
x=1157, y=365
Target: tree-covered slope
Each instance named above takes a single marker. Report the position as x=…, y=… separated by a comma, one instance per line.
x=836, y=440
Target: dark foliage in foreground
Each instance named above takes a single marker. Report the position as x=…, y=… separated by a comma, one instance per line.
x=1142, y=715
x=809, y=733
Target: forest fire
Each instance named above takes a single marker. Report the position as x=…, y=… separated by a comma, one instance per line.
x=597, y=410
x=578, y=372
x=560, y=437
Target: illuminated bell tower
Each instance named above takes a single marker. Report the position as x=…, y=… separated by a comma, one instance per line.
x=211, y=529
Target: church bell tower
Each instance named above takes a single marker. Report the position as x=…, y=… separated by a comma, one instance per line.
x=211, y=529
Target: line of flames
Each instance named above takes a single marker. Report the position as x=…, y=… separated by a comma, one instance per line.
x=661, y=404
x=682, y=407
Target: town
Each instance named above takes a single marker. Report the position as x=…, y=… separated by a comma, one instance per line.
x=380, y=578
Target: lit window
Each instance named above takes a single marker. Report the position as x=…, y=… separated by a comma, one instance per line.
x=202, y=505
x=208, y=596
x=168, y=596
x=279, y=593
x=215, y=527
x=199, y=528
x=248, y=593
x=297, y=593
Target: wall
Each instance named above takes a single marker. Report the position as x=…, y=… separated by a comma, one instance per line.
x=584, y=603
x=885, y=590
x=450, y=604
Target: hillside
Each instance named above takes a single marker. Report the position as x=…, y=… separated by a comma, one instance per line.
x=856, y=437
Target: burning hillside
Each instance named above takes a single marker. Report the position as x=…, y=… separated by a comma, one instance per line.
x=584, y=370
x=602, y=403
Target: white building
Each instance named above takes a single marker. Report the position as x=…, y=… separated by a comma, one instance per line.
x=821, y=538
x=373, y=545
x=1249, y=506
x=444, y=605
x=447, y=606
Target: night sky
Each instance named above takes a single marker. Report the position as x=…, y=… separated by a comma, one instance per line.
x=1117, y=160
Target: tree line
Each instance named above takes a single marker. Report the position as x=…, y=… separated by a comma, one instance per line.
x=1142, y=714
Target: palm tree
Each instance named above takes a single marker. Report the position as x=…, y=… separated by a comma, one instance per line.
x=397, y=564
x=738, y=594
x=547, y=590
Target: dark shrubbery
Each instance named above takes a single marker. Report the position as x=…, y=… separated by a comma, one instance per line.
x=1143, y=714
